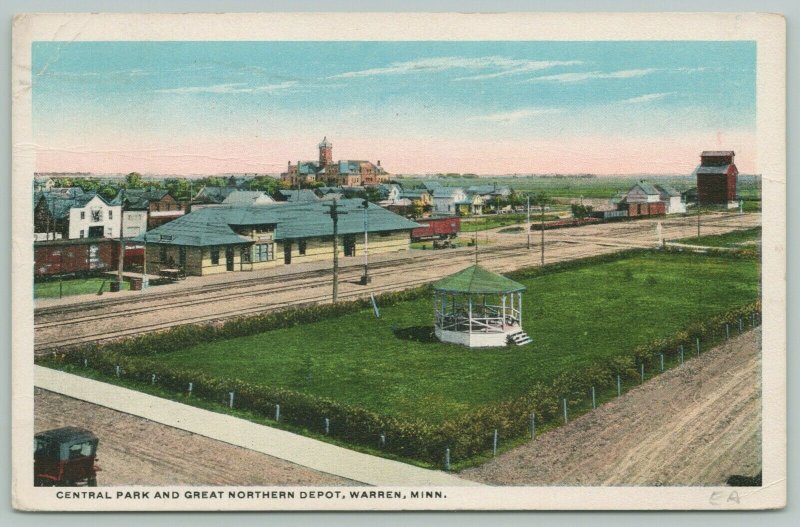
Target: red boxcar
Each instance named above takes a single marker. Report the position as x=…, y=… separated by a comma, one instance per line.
x=74, y=256
x=437, y=229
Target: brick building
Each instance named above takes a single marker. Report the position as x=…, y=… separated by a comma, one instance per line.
x=344, y=173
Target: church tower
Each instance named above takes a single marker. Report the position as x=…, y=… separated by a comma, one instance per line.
x=325, y=153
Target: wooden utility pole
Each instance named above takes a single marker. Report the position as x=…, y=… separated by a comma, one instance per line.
x=334, y=213
x=541, y=198
x=528, y=223
x=121, y=263
x=298, y=183
x=698, y=218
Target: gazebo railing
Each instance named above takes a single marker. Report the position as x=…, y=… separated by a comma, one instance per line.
x=480, y=324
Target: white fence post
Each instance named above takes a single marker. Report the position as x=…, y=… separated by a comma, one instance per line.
x=533, y=425
x=327, y=426
x=494, y=443
x=594, y=400
x=153, y=379
x=565, y=410
x=190, y=389
x=116, y=369
x=619, y=386
x=230, y=399
x=277, y=412
x=662, y=362
x=447, y=459
x=642, y=368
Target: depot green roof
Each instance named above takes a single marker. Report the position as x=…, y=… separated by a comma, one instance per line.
x=477, y=280
x=289, y=220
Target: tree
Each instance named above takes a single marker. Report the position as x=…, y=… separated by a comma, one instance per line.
x=581, y=211
x=134, y=180
x=108, y=192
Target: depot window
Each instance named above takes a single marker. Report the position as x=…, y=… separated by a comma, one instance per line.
x=215, y=256
x=263, y=252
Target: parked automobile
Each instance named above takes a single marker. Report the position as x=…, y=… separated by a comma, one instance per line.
x=65, y=457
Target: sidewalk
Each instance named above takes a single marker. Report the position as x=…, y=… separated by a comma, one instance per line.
x=304, y=451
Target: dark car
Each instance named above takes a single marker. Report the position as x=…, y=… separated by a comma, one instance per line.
x=65, y=457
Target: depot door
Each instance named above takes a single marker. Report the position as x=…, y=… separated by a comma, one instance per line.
x=287, y=252
x=229, y=258
x=349, y=245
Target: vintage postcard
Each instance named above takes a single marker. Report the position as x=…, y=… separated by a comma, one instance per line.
x=399, y=261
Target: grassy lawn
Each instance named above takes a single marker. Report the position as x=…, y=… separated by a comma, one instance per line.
x=500, y=220
x=730, y=239
x=574, y=316
x=75, y=286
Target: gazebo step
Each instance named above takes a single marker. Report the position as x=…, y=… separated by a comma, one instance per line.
x=520, y=338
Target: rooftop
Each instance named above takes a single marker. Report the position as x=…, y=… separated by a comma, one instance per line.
x=717, y=153
x=291, y=220
x=712, y=169
x=477, y=280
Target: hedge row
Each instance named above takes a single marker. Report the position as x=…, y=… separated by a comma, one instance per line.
x=465, y=436
x=189, y=335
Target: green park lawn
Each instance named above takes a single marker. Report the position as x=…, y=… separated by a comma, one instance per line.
x=574, y=316
x=730, y=239
x=74, y=286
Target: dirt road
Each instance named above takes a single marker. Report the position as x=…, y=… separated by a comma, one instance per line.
x=694, y=425
x=135, y=451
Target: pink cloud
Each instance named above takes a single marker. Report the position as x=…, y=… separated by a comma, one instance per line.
x=605, y=154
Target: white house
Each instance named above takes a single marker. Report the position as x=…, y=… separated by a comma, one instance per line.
x=670, y=196
x=97, y=218
x=445, y=199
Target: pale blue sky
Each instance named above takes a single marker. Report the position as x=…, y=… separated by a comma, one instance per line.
x=106, y=95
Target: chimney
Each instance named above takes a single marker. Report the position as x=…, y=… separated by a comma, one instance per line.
x=379, y=162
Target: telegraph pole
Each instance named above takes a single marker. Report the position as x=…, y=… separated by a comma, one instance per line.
x=298, y=199
x=528, y=224
x=334, y=213
x=365, y=279
x=698, y=218
x=542, y=206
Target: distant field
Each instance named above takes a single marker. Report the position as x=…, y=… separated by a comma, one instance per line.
x=76, y=286
x=730, y=239
x=392, y=365
x=588, y=187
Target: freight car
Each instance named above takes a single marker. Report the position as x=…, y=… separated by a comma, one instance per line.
x=74, y=257
x=437, y=229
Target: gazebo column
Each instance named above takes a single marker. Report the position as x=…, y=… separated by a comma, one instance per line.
x=503, y=325
x=470, y=313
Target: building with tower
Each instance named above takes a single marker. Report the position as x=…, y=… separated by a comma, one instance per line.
x=342, y=173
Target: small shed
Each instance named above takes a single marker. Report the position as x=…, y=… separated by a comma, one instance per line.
x=478, y=308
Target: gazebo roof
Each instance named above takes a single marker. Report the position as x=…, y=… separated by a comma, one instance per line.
x=477, y=280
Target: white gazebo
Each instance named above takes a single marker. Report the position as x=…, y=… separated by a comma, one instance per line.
x=479, y=308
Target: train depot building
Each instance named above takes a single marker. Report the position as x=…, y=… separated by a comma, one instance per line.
x=248, y=238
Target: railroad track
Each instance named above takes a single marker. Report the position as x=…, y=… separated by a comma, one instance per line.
x=317, y=278
x=64, y=344
x=252, y=287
